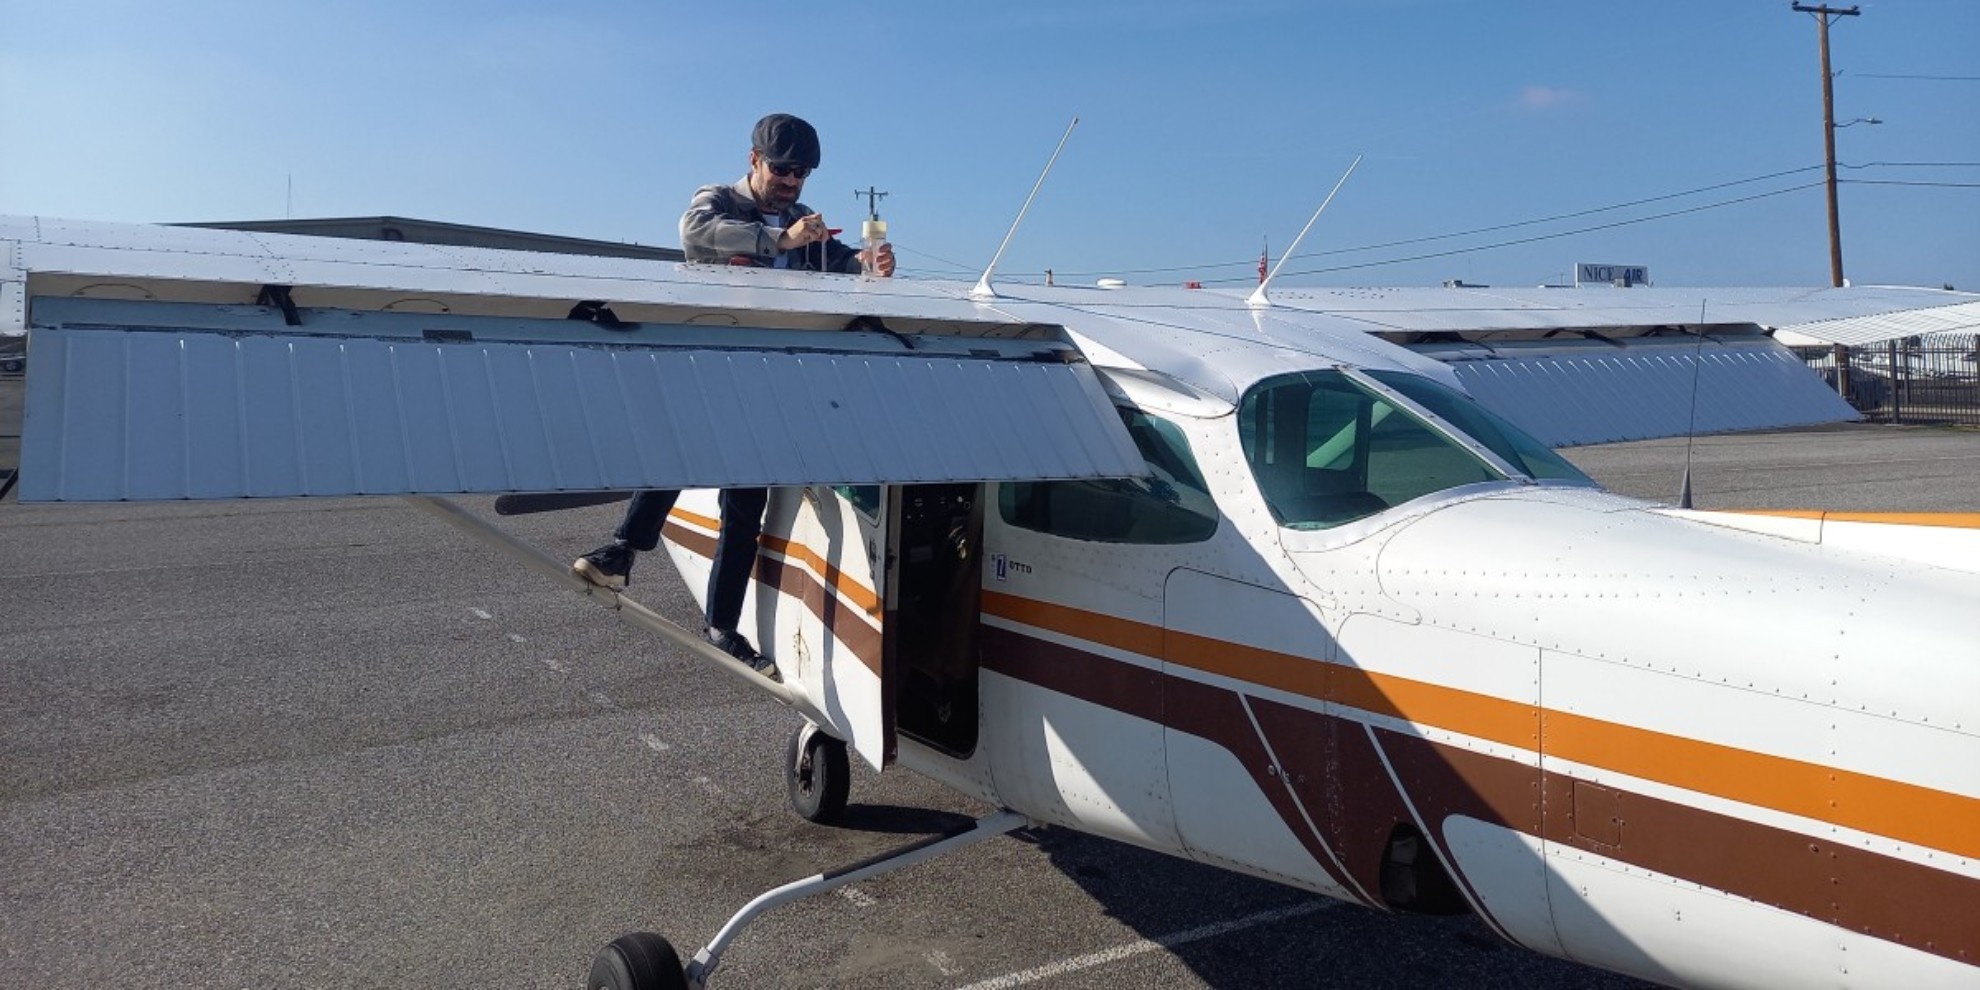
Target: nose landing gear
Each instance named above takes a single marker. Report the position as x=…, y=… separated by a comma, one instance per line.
x=637, y=961
x=645, y=961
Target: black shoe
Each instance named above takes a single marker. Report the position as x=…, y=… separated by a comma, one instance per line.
x=609, y=566
x=736, y=645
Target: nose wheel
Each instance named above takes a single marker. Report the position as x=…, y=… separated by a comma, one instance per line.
x=818, y=775
x=645, y=961
x=637, y=961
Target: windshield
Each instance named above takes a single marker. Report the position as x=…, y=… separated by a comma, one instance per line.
x=1326, y=451
x=1481, y=424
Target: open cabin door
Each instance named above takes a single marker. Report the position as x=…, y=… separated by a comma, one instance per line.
x=841, y=660
x=887, y=642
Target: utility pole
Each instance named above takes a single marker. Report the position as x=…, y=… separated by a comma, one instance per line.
x=873, y=197
x=1823, y=15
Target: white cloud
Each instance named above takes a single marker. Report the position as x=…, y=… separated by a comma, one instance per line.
x=1547, y=97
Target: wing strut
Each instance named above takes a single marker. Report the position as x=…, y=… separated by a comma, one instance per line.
x=628, y=610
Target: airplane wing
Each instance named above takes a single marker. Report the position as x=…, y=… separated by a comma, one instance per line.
x=1571, y=366
x=1875, y=328
x=187, y=388
x=1603, y=364
x=174, y=362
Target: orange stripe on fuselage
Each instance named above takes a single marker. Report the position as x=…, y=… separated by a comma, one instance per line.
x=1921, y=815
x=1950, y=520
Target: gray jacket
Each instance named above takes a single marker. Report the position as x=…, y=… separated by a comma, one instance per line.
x=723, y=224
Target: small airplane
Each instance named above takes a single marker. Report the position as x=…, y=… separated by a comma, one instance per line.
x=1298, y=589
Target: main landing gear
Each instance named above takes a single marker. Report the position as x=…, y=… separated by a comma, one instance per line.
x=818, y=775
x=645, y=961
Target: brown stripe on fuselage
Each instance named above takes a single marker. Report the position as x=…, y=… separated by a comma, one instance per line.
x=1123, y=687
x=845, y=622
x=1881, y=896
x=1218, y=715
x=1877, y=895
x=1210, y=713
x=1910, y=813
x=1339, y=777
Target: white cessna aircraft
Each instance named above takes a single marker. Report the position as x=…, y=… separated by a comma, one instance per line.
x=1279, y=588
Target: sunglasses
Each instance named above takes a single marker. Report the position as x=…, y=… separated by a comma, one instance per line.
x=787, y=171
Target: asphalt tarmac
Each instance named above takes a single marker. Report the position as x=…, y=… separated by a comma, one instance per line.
x=336, y=744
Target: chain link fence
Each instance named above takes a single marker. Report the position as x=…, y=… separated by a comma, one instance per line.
x=1930, y=379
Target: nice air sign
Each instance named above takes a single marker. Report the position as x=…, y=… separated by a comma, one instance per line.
x=1586, y=274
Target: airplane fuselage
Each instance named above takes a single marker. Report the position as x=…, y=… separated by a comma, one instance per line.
x=1620, y=736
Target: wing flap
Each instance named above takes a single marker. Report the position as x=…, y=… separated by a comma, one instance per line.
x=1602, y=393
x=147, y=401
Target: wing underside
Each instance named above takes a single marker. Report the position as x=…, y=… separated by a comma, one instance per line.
x=1643, y=389
x=136, y=400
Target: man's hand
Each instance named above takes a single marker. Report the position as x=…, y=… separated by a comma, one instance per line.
x=882, y=261
x=808, y=230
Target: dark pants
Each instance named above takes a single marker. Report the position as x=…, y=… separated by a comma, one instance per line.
x=735, y=547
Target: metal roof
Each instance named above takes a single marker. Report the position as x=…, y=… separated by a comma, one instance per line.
x=135, y=400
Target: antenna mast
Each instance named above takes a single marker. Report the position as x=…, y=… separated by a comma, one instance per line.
x=983, y=289
x=1691, y=426
x=1258, y=297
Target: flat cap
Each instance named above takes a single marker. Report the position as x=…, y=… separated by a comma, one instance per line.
x=786, y=140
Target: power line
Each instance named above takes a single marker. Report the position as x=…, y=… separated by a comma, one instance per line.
x=1903, y=182
x=1527, y=223
x=1463, y=233
x=923, y=254
x=1872, y=75
x=1546, y=237
x=1569, y=216
x=1913, y=165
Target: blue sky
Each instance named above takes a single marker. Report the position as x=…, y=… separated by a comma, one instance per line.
x=1206, y=128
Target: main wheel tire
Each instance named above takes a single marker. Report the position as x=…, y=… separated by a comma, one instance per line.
x=637, y=961
x=819, y=776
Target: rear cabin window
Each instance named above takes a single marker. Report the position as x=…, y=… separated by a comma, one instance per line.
x=865, y=498
x=1173, y=506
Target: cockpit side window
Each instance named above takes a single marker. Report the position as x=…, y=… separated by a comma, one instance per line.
x=1174, y=506
x=1326, y=451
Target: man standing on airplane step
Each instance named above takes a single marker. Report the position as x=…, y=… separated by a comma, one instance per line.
x=758, y=221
